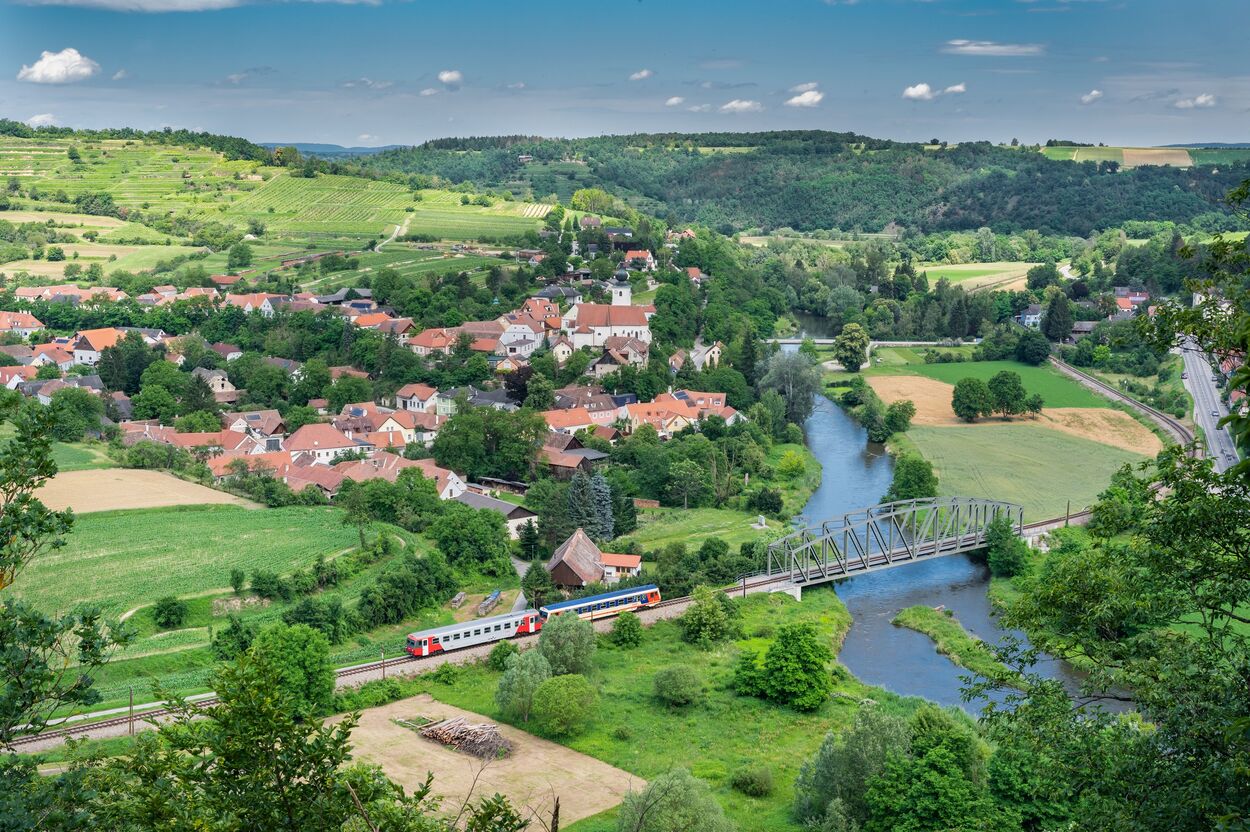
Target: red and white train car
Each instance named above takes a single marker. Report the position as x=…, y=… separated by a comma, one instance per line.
x=471, y=633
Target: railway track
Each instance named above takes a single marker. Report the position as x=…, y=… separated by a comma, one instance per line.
x=370, y=668
x=1173, y=426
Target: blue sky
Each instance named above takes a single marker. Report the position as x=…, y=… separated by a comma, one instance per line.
x=1135, y=72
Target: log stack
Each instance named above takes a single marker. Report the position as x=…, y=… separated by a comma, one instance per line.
x=481, y=739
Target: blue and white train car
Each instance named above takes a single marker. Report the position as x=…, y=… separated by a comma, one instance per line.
x=606, y=604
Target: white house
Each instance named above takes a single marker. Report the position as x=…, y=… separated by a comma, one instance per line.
x=417, y=398
x=592, y=324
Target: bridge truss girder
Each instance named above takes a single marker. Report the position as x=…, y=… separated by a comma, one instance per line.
x=886, y=535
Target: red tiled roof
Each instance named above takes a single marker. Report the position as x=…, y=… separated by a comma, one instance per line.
x=423, y=392
x=317, y=436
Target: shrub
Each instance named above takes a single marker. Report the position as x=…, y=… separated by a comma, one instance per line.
x=626, y=630
x=238, y=580
x=755, y=781
x=791, y=466
x=270, y=585
x=678, y=685
x=622, y=732
x=234, y=640
x=564, y=705
x=568, y=643
x=766, y=501
x=169, y=612
x=446, y=674
x=525, y=673
x=498, y=659
x=707, y=620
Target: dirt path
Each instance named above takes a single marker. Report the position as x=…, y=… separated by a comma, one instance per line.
x=531, y=776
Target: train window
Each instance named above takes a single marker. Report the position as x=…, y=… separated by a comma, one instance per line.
x=507, y=625
x=498, y=627
x=478, y=631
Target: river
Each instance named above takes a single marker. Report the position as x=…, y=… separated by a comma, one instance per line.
x=856, y=473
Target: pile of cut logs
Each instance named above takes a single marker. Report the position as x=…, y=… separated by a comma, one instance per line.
x=479, y=739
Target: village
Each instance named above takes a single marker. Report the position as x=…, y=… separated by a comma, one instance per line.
x=380, y=437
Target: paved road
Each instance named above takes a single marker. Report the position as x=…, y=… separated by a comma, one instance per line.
x=520, y=603
x=1207, y=401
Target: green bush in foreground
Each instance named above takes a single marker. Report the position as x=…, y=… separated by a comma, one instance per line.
x=676, y=801
x=678, y=685
x=756, y=781
x=626, y=630
x=564, y=705
x=169, y=612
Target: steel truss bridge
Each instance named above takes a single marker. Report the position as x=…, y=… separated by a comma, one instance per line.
x=886, y=535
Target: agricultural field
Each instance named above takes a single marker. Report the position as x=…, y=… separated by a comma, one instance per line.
x=1039, y=468
x=1057, y=389
x=178, y=180
x=126, y=488
x=124, y=559
x=137, y=174
x=973, y=276
x=713, y=738
x=407, y=261
x=1130, y=157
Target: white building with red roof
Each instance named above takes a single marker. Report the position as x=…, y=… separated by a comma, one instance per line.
x=592, y=324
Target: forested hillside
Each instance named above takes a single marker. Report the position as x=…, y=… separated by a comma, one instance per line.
x=810, y=180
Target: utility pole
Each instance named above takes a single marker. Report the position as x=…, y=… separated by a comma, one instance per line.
x=131, y=723
x=383, y=654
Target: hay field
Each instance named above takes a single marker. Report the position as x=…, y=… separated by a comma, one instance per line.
x=1175, y=156
x=124, y=488
x=534, y=773
x=974, y=276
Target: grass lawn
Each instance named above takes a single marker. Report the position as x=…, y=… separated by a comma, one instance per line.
x=658, y=527
x=76, y=456
x=713, y=738
x=1034, y=466
x=122, y=559
x=1057, y=389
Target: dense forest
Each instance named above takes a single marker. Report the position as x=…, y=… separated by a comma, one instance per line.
x=810, y=180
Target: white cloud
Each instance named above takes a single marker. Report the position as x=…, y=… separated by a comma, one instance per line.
x=924, y=92
x=428, y=91
x=993, y=49
x=1205, y=99
x=919, y=92
x=809, y=98
x=810, y=85
x=41, y=120
x=700, y=108
x=451, y=76
x=366, y=137
x=1091, y=96
x=64, y=67
x=519, y=85
x=121, y=75
x=368, y=83
x=675, y=101
x=641, y=75
x=741, y=105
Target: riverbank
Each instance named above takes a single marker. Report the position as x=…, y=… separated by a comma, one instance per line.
x=1051, y=465
x=953, y=641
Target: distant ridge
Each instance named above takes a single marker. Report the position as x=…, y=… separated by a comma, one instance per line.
x=1212, y=145
x=330, y=149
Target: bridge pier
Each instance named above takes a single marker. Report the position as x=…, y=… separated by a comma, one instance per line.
x=793, y=590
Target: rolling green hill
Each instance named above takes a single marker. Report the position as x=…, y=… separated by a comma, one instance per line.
x=810, y=180
x=167, y=185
